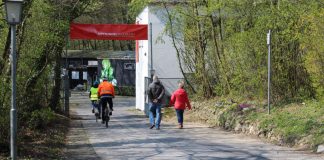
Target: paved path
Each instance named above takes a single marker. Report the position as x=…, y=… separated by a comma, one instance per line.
x=128, y=137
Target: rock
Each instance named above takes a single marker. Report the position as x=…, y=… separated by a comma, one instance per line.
x=238, y=127
x=219, y=104
x=262, y=133
x=253, y=130
x=246, y=109
x=320, y=149
x=305, y=140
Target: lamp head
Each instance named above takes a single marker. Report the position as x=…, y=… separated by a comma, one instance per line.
x=13, y=11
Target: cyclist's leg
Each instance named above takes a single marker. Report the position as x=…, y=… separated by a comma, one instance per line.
x=96, y=105
x=103, y=105
x=93, y=105
x=110, y=102
x=99, y=107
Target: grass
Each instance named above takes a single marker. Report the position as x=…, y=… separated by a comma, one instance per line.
x=294, y=122
x=169, y=113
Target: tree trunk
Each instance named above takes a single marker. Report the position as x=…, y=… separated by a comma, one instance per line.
x=177, y=49
x=55, y=97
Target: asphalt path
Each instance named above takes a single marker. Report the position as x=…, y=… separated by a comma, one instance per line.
x=129, y=137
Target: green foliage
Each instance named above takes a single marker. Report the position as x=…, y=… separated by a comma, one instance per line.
x=4, y=126
x=40, y=40
x=294, y=122
x=125, y=90
x=228, y=117
x=311, y=43
x=40, y=119
x=228, y=39
x=136, y=6
x=168, y=113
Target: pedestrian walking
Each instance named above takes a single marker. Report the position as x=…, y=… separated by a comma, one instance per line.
x=155, y=93
x=180, y=101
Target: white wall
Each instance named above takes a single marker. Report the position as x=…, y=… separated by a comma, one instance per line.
x=165, y=62
x=142, y=65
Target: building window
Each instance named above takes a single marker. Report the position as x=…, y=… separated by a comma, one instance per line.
x=85, y=75
x=129, y=66
x=75, y=74
x=92, y=63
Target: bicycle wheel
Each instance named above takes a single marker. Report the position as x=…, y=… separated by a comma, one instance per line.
x=96, y=114
x=107, y=116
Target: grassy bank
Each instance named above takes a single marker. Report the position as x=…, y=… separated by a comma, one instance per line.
x=45, y=143
x=297, y=124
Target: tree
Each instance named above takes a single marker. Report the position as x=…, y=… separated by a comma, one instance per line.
x=222, y=42
x=40, y=38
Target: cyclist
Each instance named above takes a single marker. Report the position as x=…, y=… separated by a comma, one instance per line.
x=106, y=93
x=93, y=95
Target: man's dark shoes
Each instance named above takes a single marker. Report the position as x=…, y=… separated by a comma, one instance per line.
x=152, y=126
x=93, y=111
x=158, y=128
x=110, y=113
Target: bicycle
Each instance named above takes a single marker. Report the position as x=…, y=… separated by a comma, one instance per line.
x=106, y=103
x=106, y=117
x=97, y=110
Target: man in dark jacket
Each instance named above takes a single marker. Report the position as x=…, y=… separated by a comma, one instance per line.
x=155, y=94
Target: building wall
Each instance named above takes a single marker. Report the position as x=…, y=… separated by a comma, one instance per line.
x=165, y=62
x=142, y=64
x=81, y=73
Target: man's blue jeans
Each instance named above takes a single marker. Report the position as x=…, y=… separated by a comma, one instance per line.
x=156, y=108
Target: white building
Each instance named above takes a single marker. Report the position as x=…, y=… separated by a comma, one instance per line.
x=161, y=58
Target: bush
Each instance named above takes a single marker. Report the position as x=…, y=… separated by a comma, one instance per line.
x=295, y=121
x=41, y=118
x=4, y=131
x=125, y=90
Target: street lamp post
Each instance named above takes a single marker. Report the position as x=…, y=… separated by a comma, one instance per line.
x=269, y=67
x=13, y=17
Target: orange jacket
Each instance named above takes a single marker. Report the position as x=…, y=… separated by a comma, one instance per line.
x=106, y=88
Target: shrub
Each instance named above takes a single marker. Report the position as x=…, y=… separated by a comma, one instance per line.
x=41, y=118
x=125, y=90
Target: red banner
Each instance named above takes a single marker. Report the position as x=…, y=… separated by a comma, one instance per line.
x=108, y=31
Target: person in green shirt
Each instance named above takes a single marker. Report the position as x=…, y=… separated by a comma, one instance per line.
x=94, y=96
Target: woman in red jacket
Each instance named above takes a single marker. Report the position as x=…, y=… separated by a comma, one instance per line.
x=180, y=101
